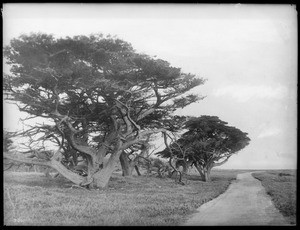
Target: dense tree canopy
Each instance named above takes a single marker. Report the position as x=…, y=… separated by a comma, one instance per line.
x=101, y=95
x=209, y=142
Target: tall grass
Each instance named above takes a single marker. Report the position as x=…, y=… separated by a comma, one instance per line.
x=281, y=186
x=30, y=199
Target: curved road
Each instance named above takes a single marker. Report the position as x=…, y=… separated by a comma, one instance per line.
x=245, y=202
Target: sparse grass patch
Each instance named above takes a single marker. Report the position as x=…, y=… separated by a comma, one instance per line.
x=281, y=186
x=143, y=201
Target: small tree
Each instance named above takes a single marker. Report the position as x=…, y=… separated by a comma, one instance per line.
x=100, y=95
x=208, y=143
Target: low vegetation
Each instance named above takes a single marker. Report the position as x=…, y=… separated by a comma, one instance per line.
x=281, y=186
x=32, y=199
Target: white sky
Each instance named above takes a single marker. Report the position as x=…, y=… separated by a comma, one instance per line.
x=248, y=53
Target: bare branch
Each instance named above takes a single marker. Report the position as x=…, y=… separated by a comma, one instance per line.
x=146, y=113
x=126, y=117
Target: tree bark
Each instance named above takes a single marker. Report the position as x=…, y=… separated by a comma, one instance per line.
x=206, y=176
x=75, y=178
x=204, y=173
x=101, y=178
x=127, y=167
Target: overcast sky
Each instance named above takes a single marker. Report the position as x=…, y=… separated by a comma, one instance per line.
x=248, y=53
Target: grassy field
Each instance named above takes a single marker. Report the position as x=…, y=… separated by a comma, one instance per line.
x=31, y=199
x=281, y=186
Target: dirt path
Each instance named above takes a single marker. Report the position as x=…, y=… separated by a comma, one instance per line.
x=244, y=203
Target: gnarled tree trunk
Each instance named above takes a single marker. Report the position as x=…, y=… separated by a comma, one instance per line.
x=53, y=163
x=204, y=172
x=127, y=166
x=206, y=169
x=205, y=176
x=74, y=177
x=101, y=178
